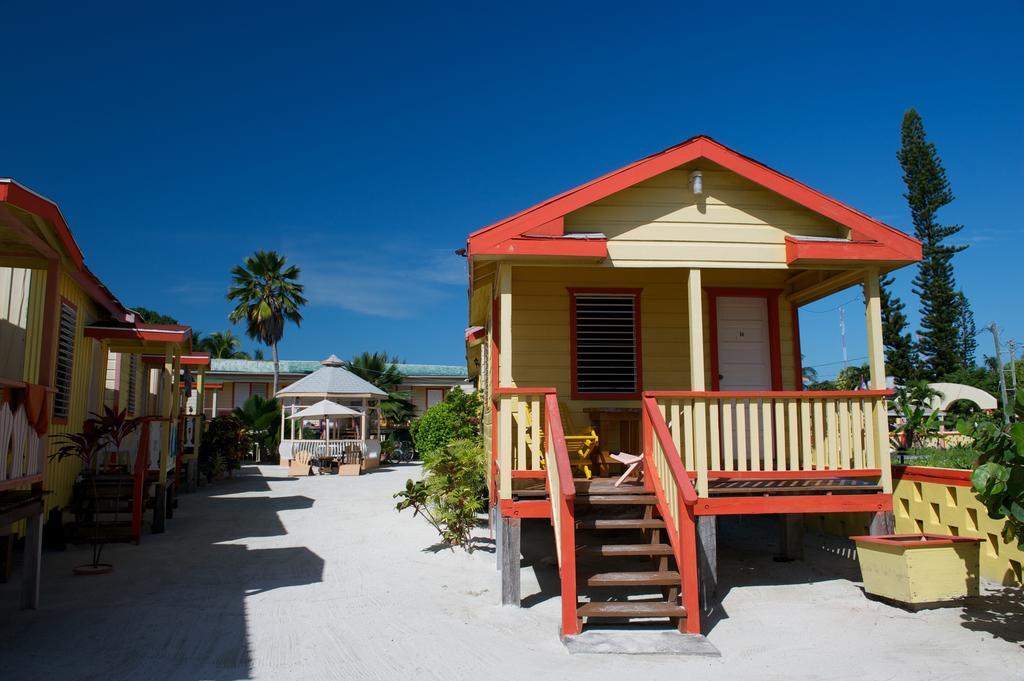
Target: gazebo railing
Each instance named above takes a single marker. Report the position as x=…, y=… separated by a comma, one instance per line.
x=346, y=451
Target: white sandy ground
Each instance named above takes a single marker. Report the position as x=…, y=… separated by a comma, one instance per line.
x=265, y=577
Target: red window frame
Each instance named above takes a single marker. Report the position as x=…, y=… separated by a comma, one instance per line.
x=636, y=293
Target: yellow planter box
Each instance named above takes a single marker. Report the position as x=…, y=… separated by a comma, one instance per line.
x=919, y=569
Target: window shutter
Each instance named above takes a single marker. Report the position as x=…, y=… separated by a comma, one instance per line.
x=606, y=344
x=133, y=374
x=65, y=359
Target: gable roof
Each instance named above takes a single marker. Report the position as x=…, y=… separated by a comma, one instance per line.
x=540, y=229
x=332, y=379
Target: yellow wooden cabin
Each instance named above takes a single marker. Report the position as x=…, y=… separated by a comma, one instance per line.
x=658, y=304
x=68, y=347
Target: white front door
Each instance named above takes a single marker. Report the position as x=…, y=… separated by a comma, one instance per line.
x=744, y=349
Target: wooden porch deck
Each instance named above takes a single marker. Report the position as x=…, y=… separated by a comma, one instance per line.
x=534, y=488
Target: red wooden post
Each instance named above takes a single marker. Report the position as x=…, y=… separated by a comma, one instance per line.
x=688, y=567
x=570, y=619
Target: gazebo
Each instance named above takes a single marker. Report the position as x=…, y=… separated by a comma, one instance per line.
x=333, y=383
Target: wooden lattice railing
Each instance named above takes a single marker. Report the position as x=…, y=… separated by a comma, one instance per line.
x=21, y=446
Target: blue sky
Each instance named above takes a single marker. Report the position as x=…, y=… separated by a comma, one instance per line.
x=365, y=142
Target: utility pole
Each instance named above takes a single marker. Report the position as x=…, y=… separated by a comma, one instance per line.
x=1002, y=374
x=1012, y=345
x=842, y=333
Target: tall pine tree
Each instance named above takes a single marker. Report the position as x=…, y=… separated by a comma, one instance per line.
x=927, y=191
x=900, y=353
x=967, y=331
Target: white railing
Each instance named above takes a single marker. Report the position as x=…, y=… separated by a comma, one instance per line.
x=21, y=455
x=329, y=449
x=778, y=432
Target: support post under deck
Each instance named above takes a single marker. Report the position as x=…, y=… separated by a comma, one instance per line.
x=882, y=522
x=791, y=536
x=707, y=562
x=509, y=536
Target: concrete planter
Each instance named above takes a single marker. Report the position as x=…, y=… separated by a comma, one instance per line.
x=919, y=570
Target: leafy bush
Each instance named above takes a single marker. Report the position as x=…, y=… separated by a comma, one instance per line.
x=224, y=444
x=451, y=494
x=261, y=421
x=456, y=418
x=998, y=479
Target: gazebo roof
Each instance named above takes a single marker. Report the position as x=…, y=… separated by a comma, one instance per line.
x=332, y=379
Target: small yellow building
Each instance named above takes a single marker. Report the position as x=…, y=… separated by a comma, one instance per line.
x=656, y=307
x=68, y=347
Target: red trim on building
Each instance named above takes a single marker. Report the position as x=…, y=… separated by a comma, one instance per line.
x=800, y=250
x=940, y=476
x=596, y=249
x=771, y=297
x=914, y=540
x=798, y=357
x=540, y=508
x=165, y=333
x=475, y=334
x=863, y=228
x=199, y=359
x=636, y=293
x=832, y=503
x=529, y=475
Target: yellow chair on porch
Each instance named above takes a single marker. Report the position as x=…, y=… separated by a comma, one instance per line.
x=580, y=443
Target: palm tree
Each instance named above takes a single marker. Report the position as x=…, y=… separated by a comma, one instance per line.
x=382, y=371
x=222, y=345
x=267, y=294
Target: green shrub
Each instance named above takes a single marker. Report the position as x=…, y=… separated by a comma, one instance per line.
x=998, y=480
x=451, y=493
x=224, y=444
x=456, y=418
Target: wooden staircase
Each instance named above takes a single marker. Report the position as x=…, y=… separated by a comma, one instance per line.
x=624, y=564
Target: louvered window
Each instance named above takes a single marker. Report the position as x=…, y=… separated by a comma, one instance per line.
x=65, y=359
x=606, y=344
x=133, y=378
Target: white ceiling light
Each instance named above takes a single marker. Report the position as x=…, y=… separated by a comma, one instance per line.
x=696, y=182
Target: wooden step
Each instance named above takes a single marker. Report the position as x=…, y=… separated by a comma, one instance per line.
x=617, y=499
x=627, y=609
x=620, y=524
x=609, y=550
x=666, y=578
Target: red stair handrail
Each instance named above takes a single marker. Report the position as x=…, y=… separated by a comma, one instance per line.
x=565, y=497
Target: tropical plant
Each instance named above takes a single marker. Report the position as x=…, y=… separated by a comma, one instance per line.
x=267, y=295
x=998, y=478
x=900, y=349
x=99, y=433
x=222, y=345
x=853, y=377
x=452, y=492
x=261, y=420
x=224, y=444
x=257, y=353
x=916, y=421
x=455, y=418
x=382, y=371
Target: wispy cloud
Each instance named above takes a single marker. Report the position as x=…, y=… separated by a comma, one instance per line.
x=397, y=282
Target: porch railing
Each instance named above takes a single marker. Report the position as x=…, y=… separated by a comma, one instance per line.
x=335, y=449
x=778, y=432
x=521, y=427
x=676, y=500
x=562, y=493
x=21, y=447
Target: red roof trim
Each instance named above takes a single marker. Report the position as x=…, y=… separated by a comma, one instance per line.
x=811, y=249
x=550, y=247
x=162, y=333
x=863, y=227
x=199, y=359
x=475, y=334
x=25, y=199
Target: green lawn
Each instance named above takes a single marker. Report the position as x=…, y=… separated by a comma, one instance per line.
x=954, y=457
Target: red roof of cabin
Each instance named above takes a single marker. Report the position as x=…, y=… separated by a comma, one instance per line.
x=539, y=230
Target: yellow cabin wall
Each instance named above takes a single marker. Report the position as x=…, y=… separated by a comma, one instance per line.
x=540, y=333
x=60, y=476
x=733, y=223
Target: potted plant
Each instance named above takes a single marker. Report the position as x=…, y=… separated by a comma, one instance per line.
x=100, y=434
